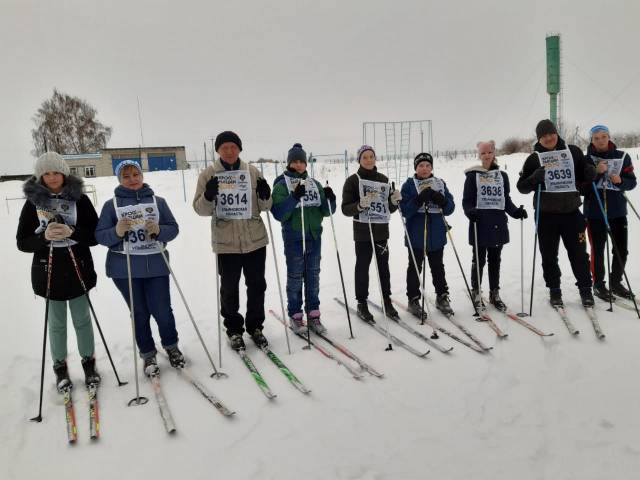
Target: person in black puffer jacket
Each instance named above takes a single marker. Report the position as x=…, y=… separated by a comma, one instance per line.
x=615, y=176
x=559, y=172
x=366, y=195
x=57, y=212
x=486, y=201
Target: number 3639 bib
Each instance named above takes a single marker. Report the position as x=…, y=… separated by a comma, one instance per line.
x=559, y=172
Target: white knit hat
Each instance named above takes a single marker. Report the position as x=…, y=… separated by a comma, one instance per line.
x=50, y=162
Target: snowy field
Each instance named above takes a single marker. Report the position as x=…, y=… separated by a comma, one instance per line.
x=556, y=408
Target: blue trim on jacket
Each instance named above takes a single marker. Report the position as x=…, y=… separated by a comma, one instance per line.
x=436, y=230
x=142, y=266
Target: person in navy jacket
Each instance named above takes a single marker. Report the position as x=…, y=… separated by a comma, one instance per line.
x=426, y=198
x=614, y=176
x=486, y=201
x=136, y=220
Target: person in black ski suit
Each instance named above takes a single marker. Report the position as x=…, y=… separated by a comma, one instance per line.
x=58, y=213
x=614, y=177
x=367, y=195
x=559, y=173
x=486, y=201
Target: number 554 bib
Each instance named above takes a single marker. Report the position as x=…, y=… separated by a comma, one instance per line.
x=139, y=242
x=559, y=172
x=234, y=195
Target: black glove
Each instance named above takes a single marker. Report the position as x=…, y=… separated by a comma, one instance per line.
x=590, y=173
x=472, y=214
x=438, y=198
x=263, y=190
x=538, y=176
x=424, y=196
x=520, y=213
x=211, y=189
x=299, y=191
x=329, y=195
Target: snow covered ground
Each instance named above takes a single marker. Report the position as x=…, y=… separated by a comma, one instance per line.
x=555, y=408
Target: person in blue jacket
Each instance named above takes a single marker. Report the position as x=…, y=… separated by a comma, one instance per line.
x=486, y=201
x=425, y=199
x=615, y=175
x=290, y=189
x=138, y=221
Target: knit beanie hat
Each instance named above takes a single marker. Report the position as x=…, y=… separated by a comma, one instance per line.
x=228, y=136
x=422, y=157
x=363, y=149
x=545, y=127
x=50, y=162
x=296, y=153
x=126, y=163
x=599, y=128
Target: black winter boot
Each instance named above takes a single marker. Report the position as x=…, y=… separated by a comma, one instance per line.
x=587, y=298
x=496, y=301
x=555, y=298
x=63, y=381
x=91, y=376
x=176, y=358
x=364, y=313
x=392, y=313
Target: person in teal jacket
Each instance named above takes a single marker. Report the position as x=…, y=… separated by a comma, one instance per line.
x=290, y=190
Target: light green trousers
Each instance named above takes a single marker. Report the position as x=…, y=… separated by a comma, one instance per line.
x=79, y=308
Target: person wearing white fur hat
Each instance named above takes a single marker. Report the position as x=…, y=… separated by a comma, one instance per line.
x=58, y=213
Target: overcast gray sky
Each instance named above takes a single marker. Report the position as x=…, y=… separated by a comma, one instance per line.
x=277, y=72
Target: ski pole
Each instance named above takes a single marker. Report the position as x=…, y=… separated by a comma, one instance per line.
x=615, y=248
x=631, y=205
x=38, y=418
x=335, y=244
x=424, y=259
x=522, y=313
x=93, y=312
x=606, y=213
x=304, y=269
x=535, y=244
x=218, y=307
x=455, y=251
x=138, y=400
x=477, y=252
x=216, y=373
x=275, y=262
x=415, y=266
x=375, y=256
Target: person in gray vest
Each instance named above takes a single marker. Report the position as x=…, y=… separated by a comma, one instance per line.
x=233, y=193
x=558, y=172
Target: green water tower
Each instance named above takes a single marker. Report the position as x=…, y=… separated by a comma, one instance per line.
x=553, y=75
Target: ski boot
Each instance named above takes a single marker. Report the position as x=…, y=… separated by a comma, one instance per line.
x=313, y=319
x=176, y=358
x=415, y=308
x=555, y=298
x=150, y=366
x=621, y=291
x=601, y=291
x=586, y=297
x=236, y=342
x=443, y=304
x=296, y=322
x=496, y=301
x=63, y=382
x=392, y=313
x=364, y=313
x=259, y=339
x=476, y=299
x=91, y=376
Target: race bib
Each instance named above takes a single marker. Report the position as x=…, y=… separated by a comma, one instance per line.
x=379, y=210
x=234, y=195
x=57, y=206
x=139, y=242
x=559, y=172
x=490, y=190
x=614, y=167
x=435, y=184
x=311, y=195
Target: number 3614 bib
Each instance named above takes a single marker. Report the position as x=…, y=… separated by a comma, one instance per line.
x=234, y=195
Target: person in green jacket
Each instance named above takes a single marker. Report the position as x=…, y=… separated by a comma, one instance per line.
x=291, y=190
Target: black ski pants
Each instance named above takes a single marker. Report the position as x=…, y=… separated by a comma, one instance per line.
x=364, y=254
x=598, y=239
x=570, y=227
x=436, y=266
x=493, y=254
x=252, y=265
